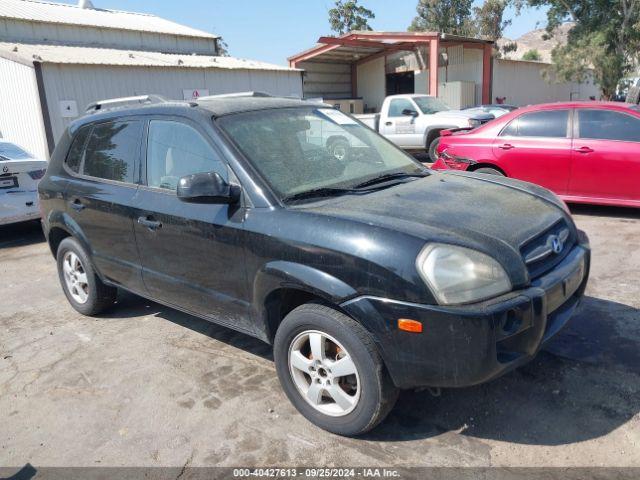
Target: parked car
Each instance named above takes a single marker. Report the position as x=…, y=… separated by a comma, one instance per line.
x=585, y=152
x=362, y=273
x=20, y=173
x=495, y=109
x=414, y=122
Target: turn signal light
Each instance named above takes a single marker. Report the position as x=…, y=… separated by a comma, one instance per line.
x=407, y=325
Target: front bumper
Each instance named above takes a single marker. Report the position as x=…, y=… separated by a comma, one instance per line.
x=466, y=345
x=19, y=206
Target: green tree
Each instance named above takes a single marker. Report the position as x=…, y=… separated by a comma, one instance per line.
x=347, y=16
x=532, y=55
x=444, y=16
x=605, y=39
x=489, y=19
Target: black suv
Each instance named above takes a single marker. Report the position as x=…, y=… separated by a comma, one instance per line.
x=368, y=272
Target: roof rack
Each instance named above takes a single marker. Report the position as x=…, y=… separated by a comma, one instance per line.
x=234, y=95
x=117, y=102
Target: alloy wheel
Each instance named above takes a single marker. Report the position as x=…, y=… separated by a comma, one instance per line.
x=75, y=277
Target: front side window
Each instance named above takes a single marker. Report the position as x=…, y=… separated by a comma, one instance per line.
x=547, y=123
x=112, y=151
x=175, y=150
x=608, y=125
x=283, y=146
x=399, y=105
x=76, y=152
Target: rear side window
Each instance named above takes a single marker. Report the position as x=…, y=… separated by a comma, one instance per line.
x=396, y=107
x=608, y=125
x=175, y=150
x=112, y=151
x=549, y=124
x=76, y=152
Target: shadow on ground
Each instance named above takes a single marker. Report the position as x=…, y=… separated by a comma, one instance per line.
x=583, y=385
x=605, y=211
x=21, y=234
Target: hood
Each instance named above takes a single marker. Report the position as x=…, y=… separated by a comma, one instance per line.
x=465, y=115
x=494, y=216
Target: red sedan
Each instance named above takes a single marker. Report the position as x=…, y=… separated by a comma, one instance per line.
x=586, y=152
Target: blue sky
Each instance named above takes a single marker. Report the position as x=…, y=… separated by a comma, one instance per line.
x=272, y=30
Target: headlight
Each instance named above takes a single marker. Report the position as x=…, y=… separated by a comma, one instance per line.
x=459, y=275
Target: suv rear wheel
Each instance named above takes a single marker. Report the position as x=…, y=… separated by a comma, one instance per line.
x=331, y=371
x=84, y=290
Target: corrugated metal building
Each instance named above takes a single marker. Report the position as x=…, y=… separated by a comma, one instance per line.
x=365, y=67
x=55, y=59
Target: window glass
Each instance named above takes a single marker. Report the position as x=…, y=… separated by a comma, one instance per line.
x=430, y=105
x=13, y=152
x=74, y=157
x=608, y=125
x=549, y=123
x=397, y=106
x=112, y=151
x=175, y=150
x=295, y=149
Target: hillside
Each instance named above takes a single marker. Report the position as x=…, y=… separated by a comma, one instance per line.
x=534, y=40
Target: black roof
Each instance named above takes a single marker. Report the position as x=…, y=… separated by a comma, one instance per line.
x=222, y=105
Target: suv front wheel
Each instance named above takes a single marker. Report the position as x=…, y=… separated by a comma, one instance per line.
x=82, y=287
x=330, y=369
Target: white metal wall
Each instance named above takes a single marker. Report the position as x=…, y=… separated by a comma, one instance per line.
x=12, y=30
x=326, y=80
x=20, y=114
x=522, y=83
x=372, y=84
x=86, y=84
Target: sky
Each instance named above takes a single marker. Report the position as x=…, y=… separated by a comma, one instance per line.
x=272, y=30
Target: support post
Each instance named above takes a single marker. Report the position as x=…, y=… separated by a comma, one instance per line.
x=486, y=74
x=434, y=52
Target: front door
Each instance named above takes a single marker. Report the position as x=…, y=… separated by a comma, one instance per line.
x=606, y=155
x=536, y=147
x=104, y=161
x=399, y=128
x=192, y=254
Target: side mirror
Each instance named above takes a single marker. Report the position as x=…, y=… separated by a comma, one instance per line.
x=410, y=113
x=207, y=187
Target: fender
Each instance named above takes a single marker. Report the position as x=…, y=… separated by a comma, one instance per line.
x=430, y=128
x=280, y=274
x=64, y=221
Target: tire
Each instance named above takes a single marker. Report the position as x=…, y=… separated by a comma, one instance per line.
x=432, y=149
x=489, y=171
x=366, y=396
x=340, y=150
x=87, y=294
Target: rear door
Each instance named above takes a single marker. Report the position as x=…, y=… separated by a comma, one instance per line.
x=104, y=167
x=401, y=129
x=192, y=254
x=606, y=155
x=536, y=147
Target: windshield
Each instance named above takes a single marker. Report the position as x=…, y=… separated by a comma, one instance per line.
x=429, y=105
x=13, y=152
x=300, y=150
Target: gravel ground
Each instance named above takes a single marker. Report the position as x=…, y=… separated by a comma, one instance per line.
x=149, y=386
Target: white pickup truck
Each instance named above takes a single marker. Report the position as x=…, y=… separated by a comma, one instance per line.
x=414, y=122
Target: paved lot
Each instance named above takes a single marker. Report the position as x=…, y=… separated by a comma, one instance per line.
x=147, y=386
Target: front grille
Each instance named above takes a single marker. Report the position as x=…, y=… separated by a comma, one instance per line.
x=538, y=253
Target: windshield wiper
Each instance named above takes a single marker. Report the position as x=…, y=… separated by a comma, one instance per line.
x=389, y=176
x=320, y=192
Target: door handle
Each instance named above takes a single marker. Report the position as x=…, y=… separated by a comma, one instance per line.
x=583, y=150
x=77, y=205
x=388, y=124
x=149, y=223
x=506, y=146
